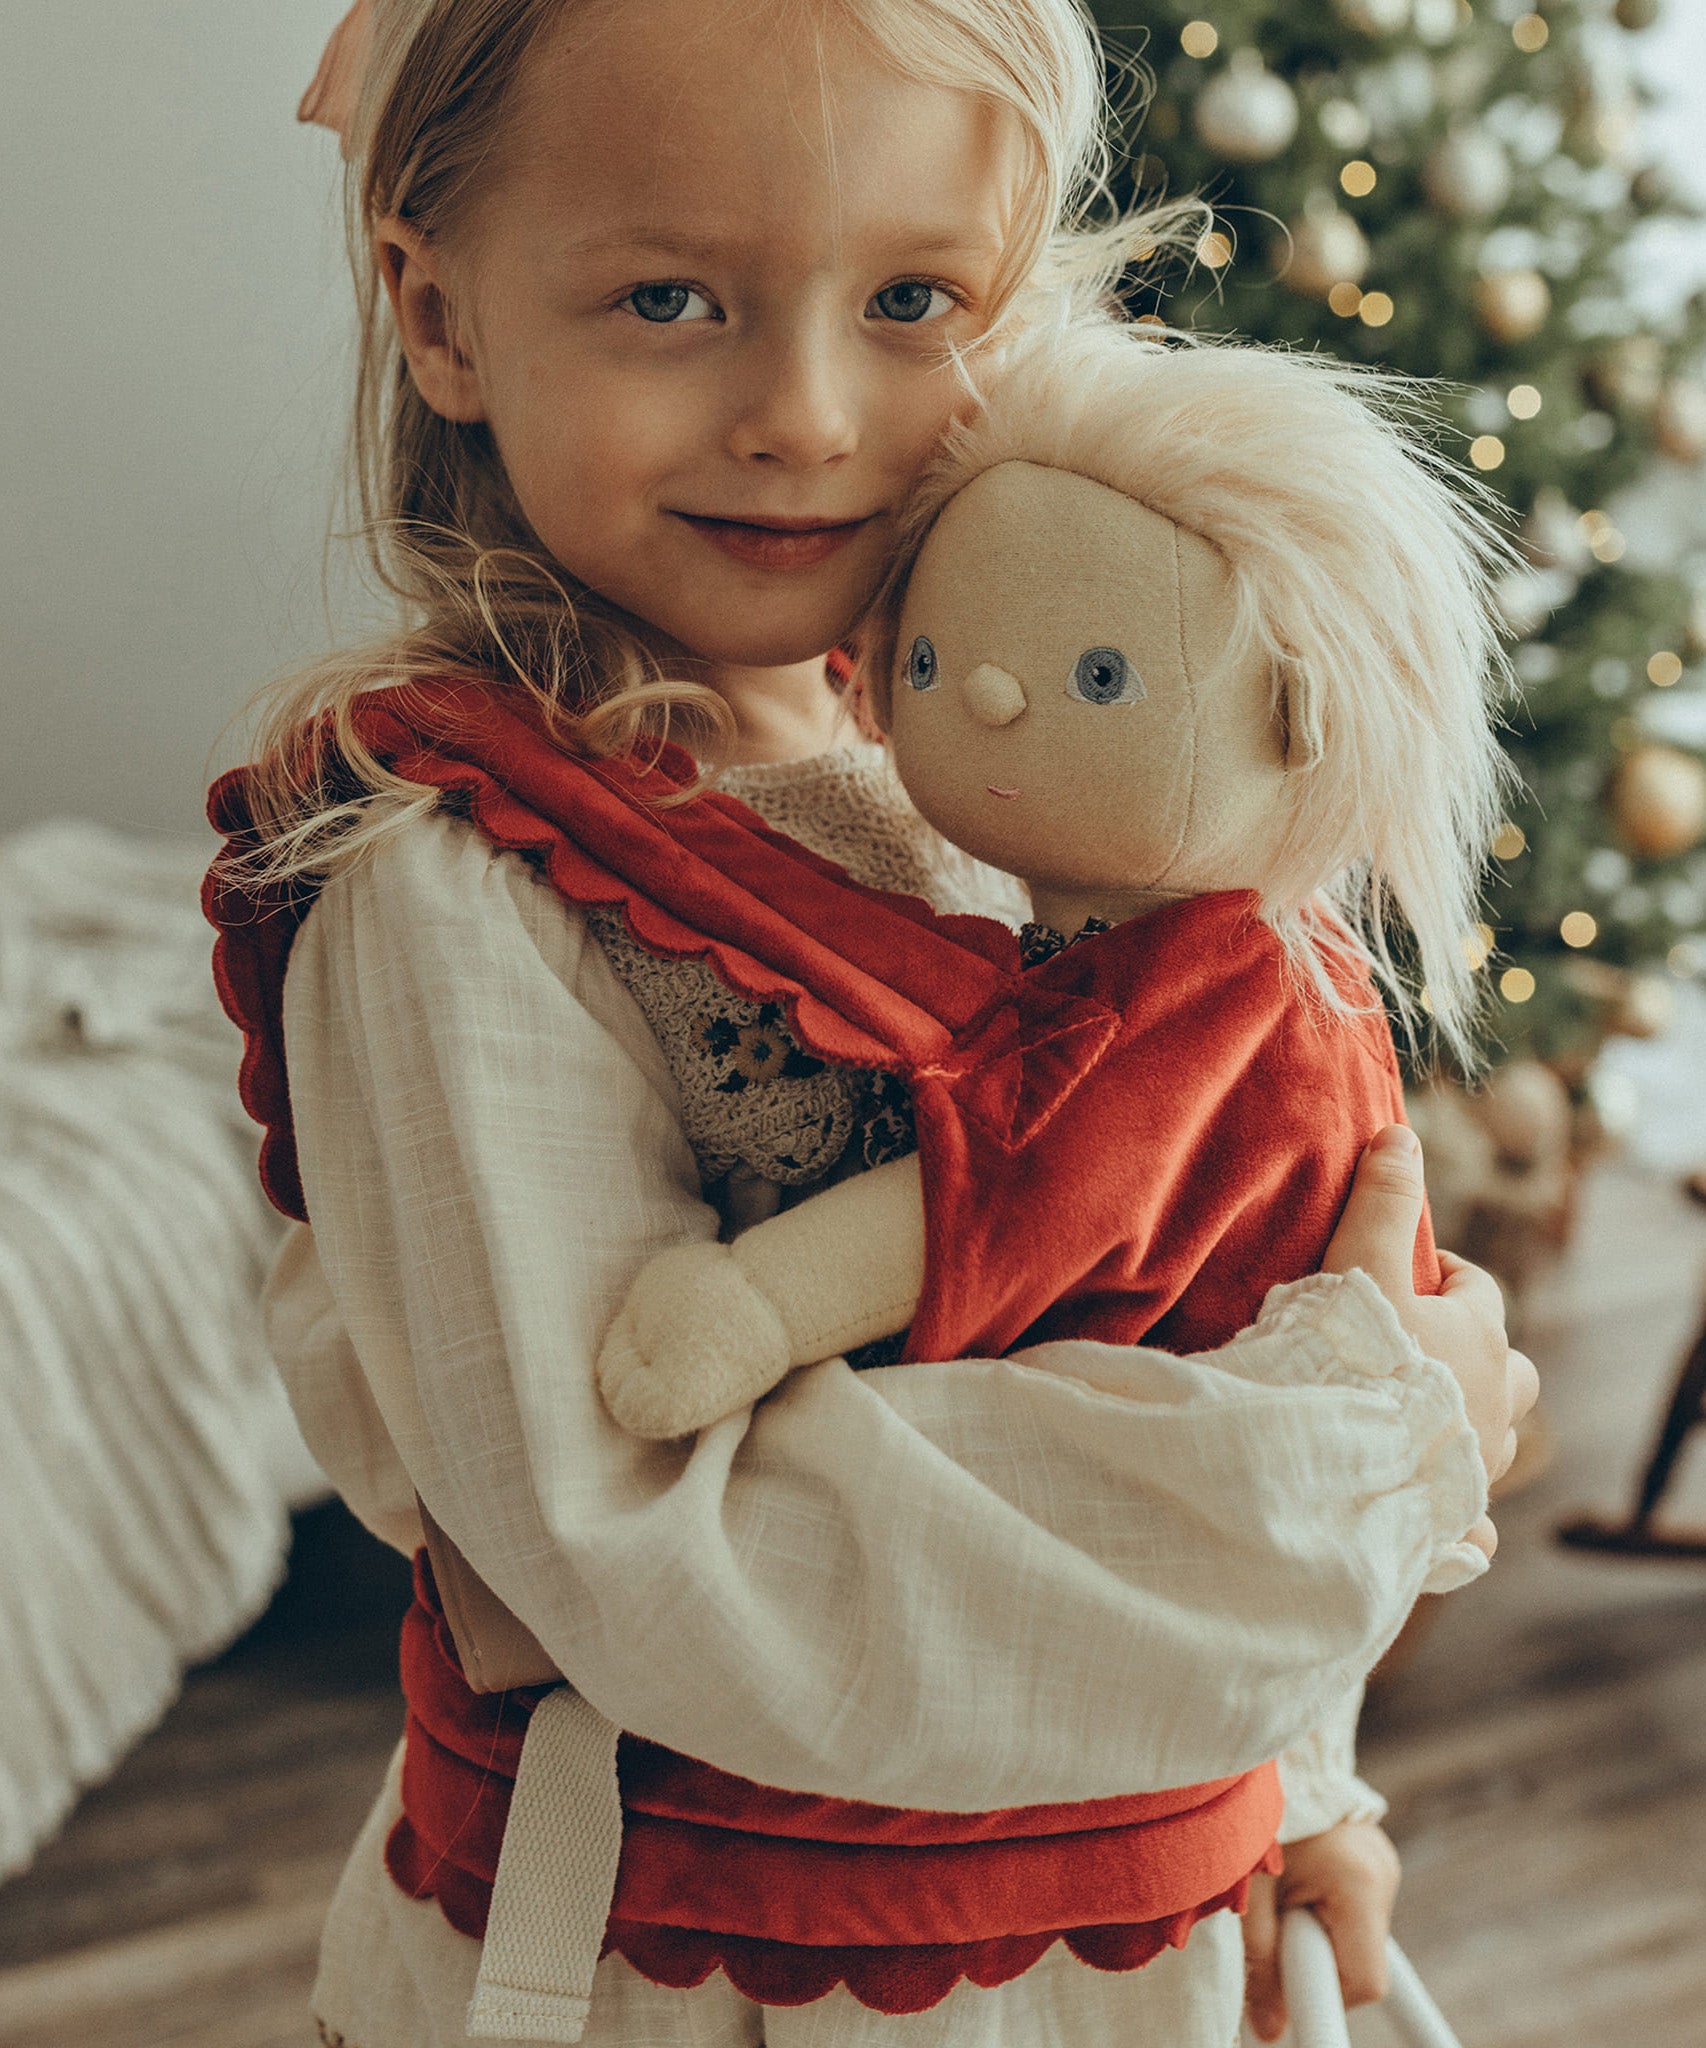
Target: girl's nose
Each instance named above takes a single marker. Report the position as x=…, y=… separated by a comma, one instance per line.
x=800, y=412
x=993, y=696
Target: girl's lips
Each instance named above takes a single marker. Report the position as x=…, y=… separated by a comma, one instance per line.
x=781, y=546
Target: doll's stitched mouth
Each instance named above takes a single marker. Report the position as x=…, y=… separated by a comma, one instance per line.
x=990, y=786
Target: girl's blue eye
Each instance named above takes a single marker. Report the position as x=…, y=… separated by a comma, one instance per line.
x=921, y=670
x=1102, y=675
x=912, y=300
x=664, y=304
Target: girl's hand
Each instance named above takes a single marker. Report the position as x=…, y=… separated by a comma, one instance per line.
x=1463, y=1326
x=1349, y=1878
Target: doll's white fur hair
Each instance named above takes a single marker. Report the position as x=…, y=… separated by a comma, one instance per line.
x=1361, y=561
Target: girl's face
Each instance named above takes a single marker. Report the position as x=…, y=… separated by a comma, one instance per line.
x=706, y=308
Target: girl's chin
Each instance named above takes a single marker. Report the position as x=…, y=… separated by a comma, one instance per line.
x=784, y=644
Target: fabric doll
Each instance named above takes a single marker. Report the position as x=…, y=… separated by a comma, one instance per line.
x=1196, y=644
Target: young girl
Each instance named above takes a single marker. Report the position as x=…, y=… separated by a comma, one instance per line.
x=660, y=309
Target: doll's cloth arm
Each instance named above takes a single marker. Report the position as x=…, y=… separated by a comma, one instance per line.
x=961, y=1586
x=708, y=1328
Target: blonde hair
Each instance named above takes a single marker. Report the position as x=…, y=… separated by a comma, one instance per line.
x=1362, y=562
x=444, y=533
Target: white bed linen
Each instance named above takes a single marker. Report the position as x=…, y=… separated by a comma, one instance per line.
x=146, y=1448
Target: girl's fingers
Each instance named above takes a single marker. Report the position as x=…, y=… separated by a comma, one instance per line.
x=1357, y=1927
x=1378, y=1228
x=1472, y=1285
x=1524, y=1384
x=1263, y=1999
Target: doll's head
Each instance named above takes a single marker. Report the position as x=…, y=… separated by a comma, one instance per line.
x=1183, y=619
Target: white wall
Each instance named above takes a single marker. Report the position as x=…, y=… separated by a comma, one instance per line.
x=173, y=356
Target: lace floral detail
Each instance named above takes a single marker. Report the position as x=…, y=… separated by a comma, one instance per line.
x=751, y=1097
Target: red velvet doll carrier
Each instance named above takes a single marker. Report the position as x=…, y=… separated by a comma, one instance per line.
x=1191, y=1127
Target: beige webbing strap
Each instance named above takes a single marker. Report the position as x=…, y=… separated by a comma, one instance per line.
x=556, y=1877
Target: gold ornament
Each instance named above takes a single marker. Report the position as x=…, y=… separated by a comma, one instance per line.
x=1246, y=114
x=1512, y=304
x=1658, y=801
x=1467, y=174
x=1603, y=120
x=1652, y=187
x=1679, y=424
x=1326, y=248
x=1629, y=376
x=1646, y=1007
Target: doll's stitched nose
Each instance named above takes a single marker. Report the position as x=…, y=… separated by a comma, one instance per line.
x=994, y=696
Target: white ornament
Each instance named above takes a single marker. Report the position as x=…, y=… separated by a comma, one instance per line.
x=1399, y=95
x=1467, y=174
x=1373, y=17
x=1246, y=114
x=1343, y=122
x=1552, y=536
x=1437, y=21
x=1326, y=248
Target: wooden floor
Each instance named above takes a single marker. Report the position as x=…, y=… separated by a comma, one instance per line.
x=1545, y=1754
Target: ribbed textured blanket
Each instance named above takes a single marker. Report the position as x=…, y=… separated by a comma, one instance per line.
x=147, y=1455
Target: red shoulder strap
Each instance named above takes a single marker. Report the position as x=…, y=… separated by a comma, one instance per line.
x=868, y=979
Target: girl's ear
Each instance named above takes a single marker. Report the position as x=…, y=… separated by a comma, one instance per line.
x=418, y=287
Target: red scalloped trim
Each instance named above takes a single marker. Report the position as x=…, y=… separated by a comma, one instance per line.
x=899, y=1980
x=889, y=1980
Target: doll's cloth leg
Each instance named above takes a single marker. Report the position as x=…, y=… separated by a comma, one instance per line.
x=1187, y=1998
x=395, y=1974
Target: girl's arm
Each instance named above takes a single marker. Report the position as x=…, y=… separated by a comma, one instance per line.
x=959, y=1586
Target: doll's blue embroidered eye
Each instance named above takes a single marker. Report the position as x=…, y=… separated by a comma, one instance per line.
x=921, y=671
x=1102, y=675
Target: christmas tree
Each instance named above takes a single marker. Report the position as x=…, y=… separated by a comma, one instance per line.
x=1450, y=191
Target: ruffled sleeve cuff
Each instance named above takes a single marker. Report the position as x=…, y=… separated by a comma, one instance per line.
x=1319, y=1778
x=1333, y=1330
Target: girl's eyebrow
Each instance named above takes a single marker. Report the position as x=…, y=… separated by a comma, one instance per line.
x=902, y=243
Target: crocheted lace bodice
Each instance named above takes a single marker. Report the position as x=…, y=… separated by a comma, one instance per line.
x=761, y=1113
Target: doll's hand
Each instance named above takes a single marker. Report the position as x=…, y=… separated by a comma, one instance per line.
x=1463, y=1326
x=1349, y=1877
x=693, y=1342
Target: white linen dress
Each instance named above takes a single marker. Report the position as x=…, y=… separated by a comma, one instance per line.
x=960, y=1586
